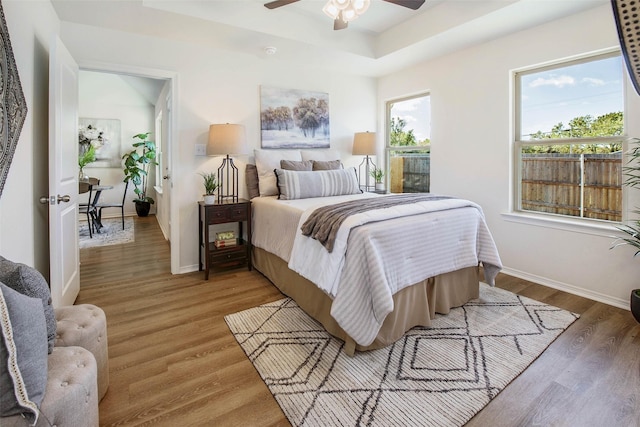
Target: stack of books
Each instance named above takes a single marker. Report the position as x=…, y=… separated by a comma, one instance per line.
x=225, y=239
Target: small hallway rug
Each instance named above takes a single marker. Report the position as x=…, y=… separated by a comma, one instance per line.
x=110, y=234
x=436, y=376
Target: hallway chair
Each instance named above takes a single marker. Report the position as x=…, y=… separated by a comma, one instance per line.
x=101, y=206
x=87, y=208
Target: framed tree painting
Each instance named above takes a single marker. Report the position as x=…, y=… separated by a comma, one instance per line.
x=12, y=101
x=291, y=118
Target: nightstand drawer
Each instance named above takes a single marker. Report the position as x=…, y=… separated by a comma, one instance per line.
x=222, y=214
x=229, y=257
x=237, y=213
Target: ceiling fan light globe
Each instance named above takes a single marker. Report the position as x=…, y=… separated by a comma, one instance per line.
x=341, y=4
x=331, y=10
x=361, y=6
x=349, y=14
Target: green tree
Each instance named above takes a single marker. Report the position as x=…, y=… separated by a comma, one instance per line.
x=400, y=137
x=610, y=124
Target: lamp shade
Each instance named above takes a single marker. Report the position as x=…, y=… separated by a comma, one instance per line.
x=226, y=139
x=364, y=144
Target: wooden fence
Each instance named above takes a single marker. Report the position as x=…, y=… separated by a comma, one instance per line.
x=410, y=173
x=552, y=183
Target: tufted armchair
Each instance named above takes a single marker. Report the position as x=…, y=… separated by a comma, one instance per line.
x=54, y=363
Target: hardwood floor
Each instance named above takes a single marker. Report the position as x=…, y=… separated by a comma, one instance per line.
x=174, y=362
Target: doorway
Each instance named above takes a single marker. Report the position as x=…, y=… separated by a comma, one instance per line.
x=140, y=101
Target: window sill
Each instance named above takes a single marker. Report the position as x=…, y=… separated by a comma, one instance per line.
x=585, y=226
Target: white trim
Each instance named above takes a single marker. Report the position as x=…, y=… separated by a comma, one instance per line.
x=595, y=296
x=565, y=223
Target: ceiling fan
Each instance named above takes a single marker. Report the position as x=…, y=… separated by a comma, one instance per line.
x=344, y=11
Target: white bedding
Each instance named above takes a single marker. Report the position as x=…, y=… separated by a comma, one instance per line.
x=429, y=238
x=275, y=222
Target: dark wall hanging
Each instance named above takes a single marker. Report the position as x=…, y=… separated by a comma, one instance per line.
x=627, y=16
x=12, y=102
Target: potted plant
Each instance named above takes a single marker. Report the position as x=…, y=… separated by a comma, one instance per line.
x=632, y=230
x=86, y=157
x=210, y=186
x=137, y=164
x=378, y=174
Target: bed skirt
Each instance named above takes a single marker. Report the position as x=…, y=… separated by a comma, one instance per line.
x=415, y=305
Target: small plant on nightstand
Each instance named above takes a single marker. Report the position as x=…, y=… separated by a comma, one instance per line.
x=210, y=186
x=378, y=175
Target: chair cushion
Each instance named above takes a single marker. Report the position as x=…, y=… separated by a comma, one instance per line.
x=23, y=354
x=28, y=281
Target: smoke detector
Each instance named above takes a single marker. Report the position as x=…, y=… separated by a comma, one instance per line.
x=270, y=50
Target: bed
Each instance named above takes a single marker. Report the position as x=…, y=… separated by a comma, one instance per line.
x=388, y=270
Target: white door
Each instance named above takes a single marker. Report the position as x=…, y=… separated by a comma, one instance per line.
x=163, y=172
x=63, y=176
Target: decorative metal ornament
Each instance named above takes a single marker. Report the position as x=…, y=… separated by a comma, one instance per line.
x=13, y=106
x=627, y=17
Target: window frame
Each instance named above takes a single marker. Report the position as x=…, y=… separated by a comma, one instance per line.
x=518, y=143
x=388, y=148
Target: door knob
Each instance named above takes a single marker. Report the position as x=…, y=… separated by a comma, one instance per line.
x=53, y=199
x=165, y=177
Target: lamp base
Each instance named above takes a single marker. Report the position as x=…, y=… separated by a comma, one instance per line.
x=368, y=167
x=227, y=181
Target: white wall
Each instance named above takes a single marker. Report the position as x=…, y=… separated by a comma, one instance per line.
x=108, y=96
x=23, y=220
x=471, y=103
x=217, y=86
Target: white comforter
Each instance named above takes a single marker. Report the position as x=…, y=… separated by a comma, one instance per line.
x=423, y=240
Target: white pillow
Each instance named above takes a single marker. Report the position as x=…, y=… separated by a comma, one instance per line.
x=325, y=183
x=266, y=162
x=320, y=155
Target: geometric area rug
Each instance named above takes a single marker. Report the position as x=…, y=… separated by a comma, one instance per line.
x=440, y=375
x=111, y=233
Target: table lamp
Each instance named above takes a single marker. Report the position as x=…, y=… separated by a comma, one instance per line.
x=225, y=139
x=364, y=144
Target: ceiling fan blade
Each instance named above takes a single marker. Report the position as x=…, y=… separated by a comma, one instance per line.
x=279, y=3
x=339, y=23
x=411, y=4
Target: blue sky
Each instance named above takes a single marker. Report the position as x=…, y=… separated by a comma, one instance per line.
x=559, y=95
x=417, y=113
x=548, y=97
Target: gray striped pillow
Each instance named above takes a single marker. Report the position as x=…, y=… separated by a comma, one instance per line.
x=305, y=184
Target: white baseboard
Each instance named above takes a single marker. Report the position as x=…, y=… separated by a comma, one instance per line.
x=596, y=296
x=189, y=269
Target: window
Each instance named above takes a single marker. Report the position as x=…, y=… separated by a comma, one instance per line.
x=409, y=144
x=569, y=135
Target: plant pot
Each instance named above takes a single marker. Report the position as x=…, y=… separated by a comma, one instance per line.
x=635, y=304
x=142, y=208
x=209, y=199
x=379, y=186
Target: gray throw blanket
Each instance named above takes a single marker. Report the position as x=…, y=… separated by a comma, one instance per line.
x=324, y=222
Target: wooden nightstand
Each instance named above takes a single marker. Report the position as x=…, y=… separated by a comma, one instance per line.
x=229, y=257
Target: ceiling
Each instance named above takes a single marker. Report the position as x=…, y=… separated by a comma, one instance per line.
x=386, y=38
